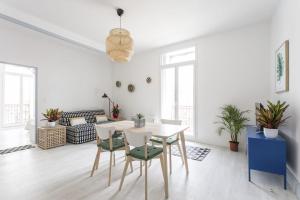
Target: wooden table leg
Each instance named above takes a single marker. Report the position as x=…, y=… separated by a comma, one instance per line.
x=166, y=167
x=182, y=138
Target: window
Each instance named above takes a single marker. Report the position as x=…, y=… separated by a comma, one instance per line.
x=177, y=86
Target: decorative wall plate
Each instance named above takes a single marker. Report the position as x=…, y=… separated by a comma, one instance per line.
x=118, y=83
x=148, y=79
x=131, y=88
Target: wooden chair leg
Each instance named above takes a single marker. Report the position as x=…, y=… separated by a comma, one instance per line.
x=95, y=162
x=141, y=168
x=131, y=166
x=97, y=165
x=180, y=152
x=110, y=165
x=128, y=160
x=170, y=158
x=163, y=170
x=146, y=180
x=114, y=159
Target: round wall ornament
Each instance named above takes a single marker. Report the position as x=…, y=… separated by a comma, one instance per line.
x=148, y=79
x=118, y=84
x=131, y=88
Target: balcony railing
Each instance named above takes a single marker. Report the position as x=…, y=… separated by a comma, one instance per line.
x=15, y=114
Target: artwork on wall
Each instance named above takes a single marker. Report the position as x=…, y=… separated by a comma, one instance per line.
x=282, y=68
x=131, y=88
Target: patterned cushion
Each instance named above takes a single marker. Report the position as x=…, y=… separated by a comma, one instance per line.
x=116, y=144
x=89, y=116
x=139, y=152
x=81, y=133
x=170, y=140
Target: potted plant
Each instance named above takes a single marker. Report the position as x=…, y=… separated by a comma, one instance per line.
x=271, y=117
x=52, y=115
x=233, y=121
x=139, y=121
x=116, y=111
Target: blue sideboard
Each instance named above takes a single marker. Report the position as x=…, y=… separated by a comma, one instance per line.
x=264, y=154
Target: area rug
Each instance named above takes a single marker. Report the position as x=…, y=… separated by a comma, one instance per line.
x=14, y=149
x=194, y=153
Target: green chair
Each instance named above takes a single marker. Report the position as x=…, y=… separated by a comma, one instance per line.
x=137, y=149
x=106, y=142
x=170, y=141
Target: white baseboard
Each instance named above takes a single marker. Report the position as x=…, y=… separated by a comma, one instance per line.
x=293, y=183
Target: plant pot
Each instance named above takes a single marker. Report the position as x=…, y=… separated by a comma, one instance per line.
x=51, y=124
x=139, y=123
x=270, y=133
x=115, y=116
x=234, y=146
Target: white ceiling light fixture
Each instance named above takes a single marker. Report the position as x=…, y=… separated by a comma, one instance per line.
x=119, y=44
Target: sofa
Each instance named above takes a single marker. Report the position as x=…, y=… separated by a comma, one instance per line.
x=83, y=132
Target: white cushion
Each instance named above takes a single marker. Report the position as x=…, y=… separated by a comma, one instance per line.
x=101, y=118
x=77, y=121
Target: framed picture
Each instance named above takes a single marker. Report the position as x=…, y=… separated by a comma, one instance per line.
x=282, y=68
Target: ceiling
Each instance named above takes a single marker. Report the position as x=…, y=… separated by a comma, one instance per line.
x=152, y=23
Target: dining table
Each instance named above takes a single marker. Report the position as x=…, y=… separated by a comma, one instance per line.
x=158, y=130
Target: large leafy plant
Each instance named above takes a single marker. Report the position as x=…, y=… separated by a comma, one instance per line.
x=272, y=116
x=52, y=115
x=232, y=120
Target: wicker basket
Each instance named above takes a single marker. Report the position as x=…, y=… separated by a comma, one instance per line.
x=50, y=137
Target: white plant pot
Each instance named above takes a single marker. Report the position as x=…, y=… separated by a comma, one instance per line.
x=51, y=124
x=270, y=133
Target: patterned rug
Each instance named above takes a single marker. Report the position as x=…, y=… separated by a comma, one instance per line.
x=14, y=149
x=194, y=153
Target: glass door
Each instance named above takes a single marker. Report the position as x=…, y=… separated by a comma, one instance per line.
x=177, y=95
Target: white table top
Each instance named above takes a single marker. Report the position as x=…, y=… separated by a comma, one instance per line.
x=158, y=130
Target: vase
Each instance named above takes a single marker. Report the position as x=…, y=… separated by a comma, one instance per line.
x=115, y=116
x=51, y=124
x=270, y=132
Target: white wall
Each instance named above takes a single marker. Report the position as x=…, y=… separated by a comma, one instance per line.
x=285, y=26
x=232, y=69
x=69, y=77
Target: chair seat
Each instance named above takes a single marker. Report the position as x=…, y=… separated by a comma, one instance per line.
x=117, y=134
x=170, y=140
x=139, y=152
x=117, y=143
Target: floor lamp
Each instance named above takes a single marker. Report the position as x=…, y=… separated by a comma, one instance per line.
x=109, y=101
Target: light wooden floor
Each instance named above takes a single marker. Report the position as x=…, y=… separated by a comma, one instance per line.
x=63, y=173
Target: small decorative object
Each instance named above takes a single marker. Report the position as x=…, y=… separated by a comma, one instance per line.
x=119, y=44
x=116, y=111
x=118, y=84
x=139, y=121
x=271, y=118
x=233, y=121
x=52, y=115
x=282, y=68
x=148, y=79
x=131, y=88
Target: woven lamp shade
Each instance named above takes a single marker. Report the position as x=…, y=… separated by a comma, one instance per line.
x=119, y=45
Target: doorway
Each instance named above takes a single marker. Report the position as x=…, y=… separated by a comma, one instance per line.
x=17, y=105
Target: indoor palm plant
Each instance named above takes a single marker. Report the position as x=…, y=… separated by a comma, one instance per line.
x=52, y=115
x=233, y=121
x=271, y=117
